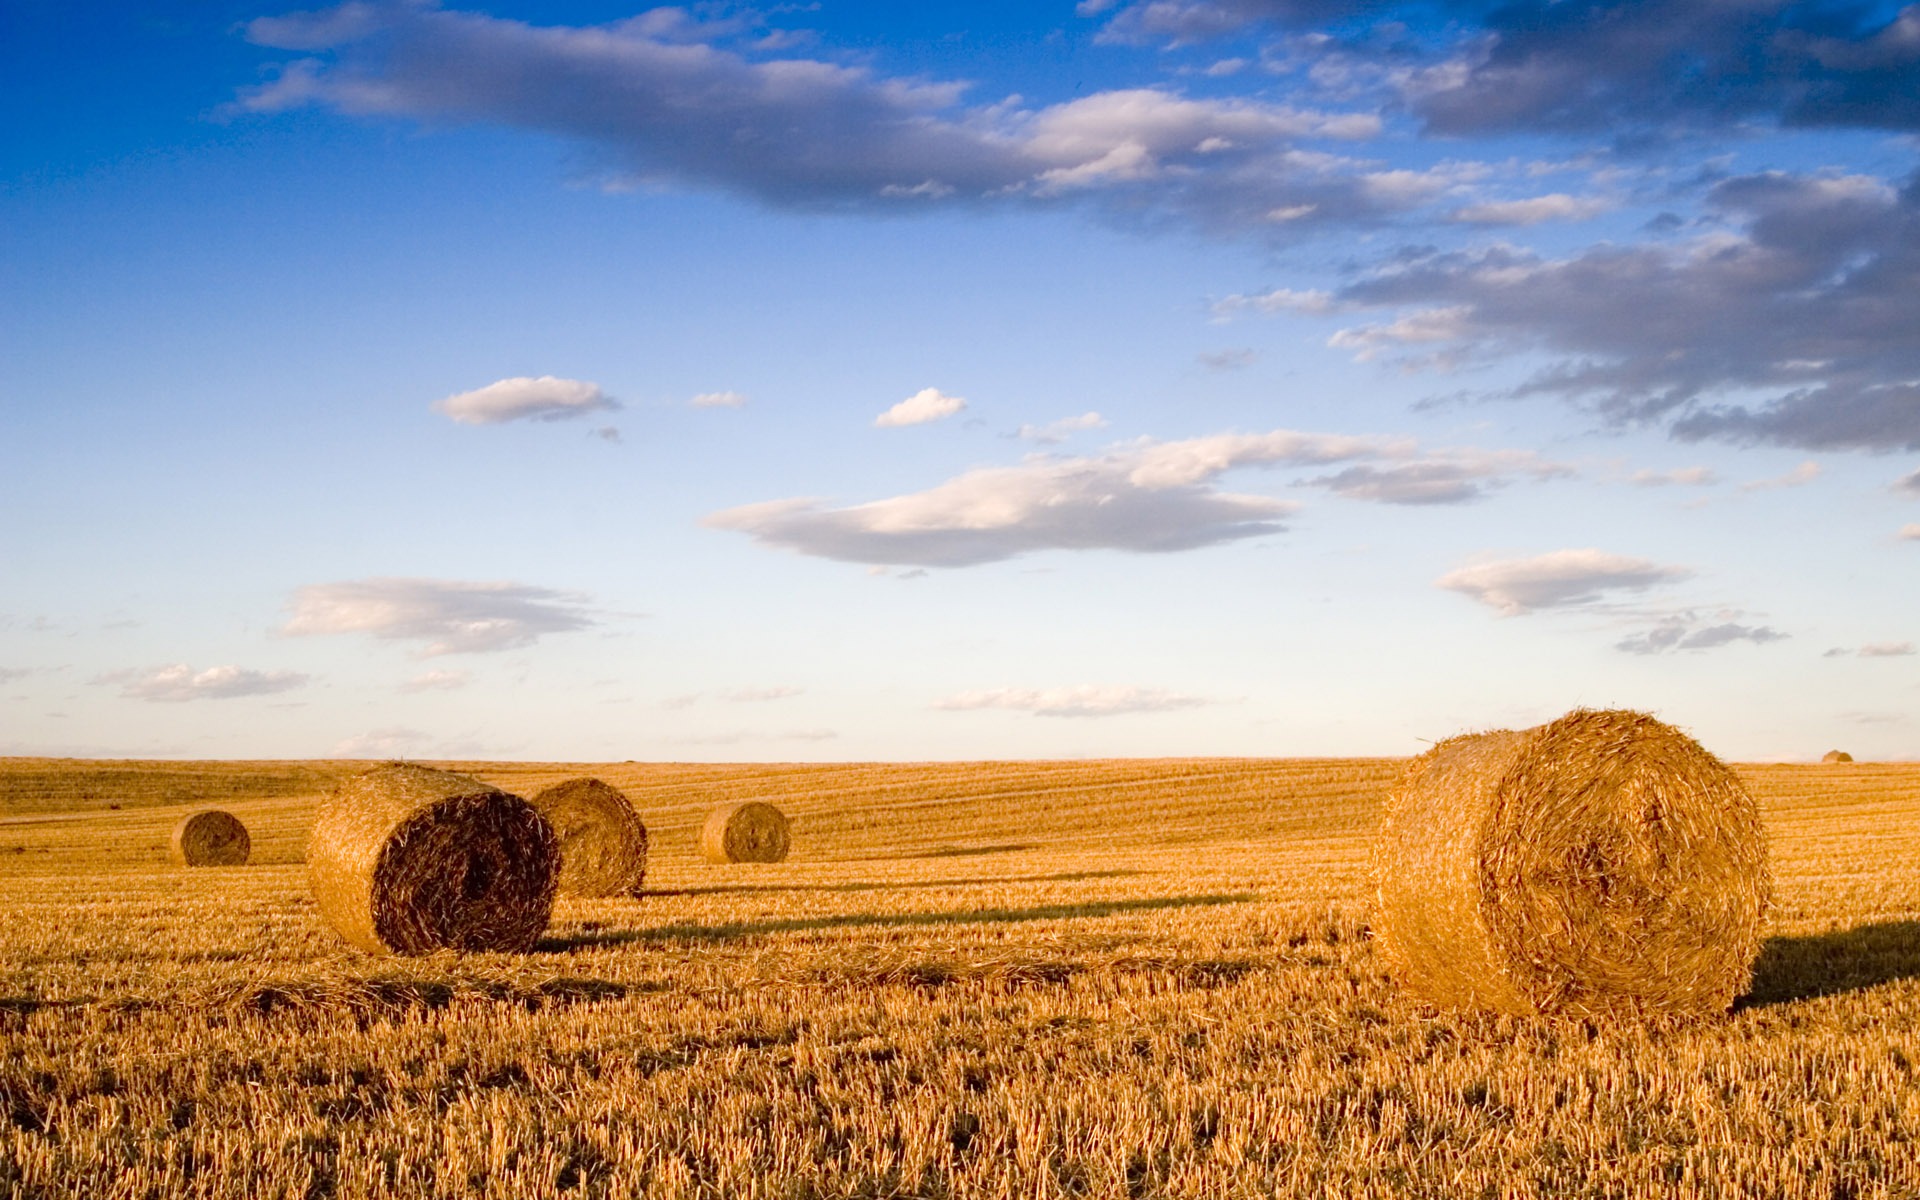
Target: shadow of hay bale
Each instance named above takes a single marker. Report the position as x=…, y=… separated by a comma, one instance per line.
x=1829, y=964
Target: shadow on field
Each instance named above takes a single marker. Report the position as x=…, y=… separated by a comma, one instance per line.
x=971, y=851
x=978, y=916
x=1826, y=964
x=743, y=889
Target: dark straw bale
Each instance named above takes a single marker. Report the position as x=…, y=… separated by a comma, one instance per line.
x=209, y=838
x=409, y=860
x=1836, y=756
x=1601, y=864
x=603, y=843
x=749, y=831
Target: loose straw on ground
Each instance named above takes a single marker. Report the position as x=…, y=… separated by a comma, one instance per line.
x=750, y=831
x=209, y=838
x=1601, y=864
x=409, y=860
x=603, y=843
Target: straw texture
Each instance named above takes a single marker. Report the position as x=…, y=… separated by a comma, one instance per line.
x=1601, y=864
x=409, y=860
x=1836, y=756
x=750, y=831
x=603, y=843
x=209, y=838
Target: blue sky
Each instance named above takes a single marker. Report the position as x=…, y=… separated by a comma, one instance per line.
x=873, y=381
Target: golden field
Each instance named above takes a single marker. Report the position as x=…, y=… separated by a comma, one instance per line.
x=1107, y=979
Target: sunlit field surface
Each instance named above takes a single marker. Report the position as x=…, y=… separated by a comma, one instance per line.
x=1107, y=979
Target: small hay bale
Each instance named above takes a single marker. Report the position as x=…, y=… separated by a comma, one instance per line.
x=409, y=860
x=750, y=831
x=603, y=843
x=209, y=838
x=1601, y=864
x=1836, y=756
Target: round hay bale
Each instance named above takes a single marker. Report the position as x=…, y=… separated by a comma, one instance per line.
x=1601, y=864
x=409, y=860
x=209, y=838
x=750, y=831
x=603, y=843
x=1836, y=756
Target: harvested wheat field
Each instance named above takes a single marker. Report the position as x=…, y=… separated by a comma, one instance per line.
x=1102, y=979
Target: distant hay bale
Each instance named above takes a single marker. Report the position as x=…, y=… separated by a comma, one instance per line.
x=750, y=831
x=1601, y=864
x=408, y=860
x=1836, y=756
x=603, y=843
x=209, y=838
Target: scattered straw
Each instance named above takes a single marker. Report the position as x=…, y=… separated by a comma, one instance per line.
x=209, y=838
x=1603, y=863
x=603, y=844
x=750, y=831
x=409, y=860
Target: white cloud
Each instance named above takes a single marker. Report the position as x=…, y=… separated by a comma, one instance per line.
x=179, y=682
x=719, y=400
x=1085, y=700
x=1908, y=483
x=450, y=616
x=9, y=674
x=392, y=742
x=927, y=404
x=437, y=681
x=546, y=398
x=1561, y=579
x=1557, y=207
x=1800, y=476
x=1909, y=533
x=1055, y=432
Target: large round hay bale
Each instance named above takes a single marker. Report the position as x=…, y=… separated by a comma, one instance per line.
x=209, y=838
x=749, y=831
x=409, y=860
x=1601, y=864
x=1836, y=756
x=603, y=843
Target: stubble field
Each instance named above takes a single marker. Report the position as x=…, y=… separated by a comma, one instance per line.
x=1107, y=979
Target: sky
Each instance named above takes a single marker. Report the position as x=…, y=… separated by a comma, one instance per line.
x=869, y=381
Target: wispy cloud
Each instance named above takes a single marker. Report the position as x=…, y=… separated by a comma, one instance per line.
x=927, y=404
x=1800, y=476
x=436, y=681
x=1886, y=650
x=760, y=695
x=1561, y=579
x=1909, y=533
x=1532, y=211
x=1085, y=700
x=1142, y=497
x=719, y=400
x=449, y=616
x=179, y=683
x=522, y=398
x=393, y=741
x=1678, y=477
x=1055, y=432
x=1686, y=632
